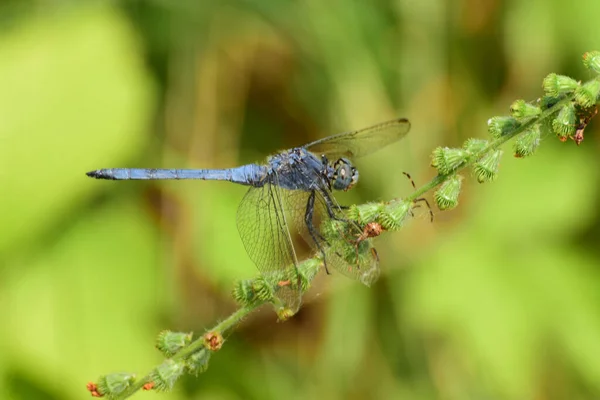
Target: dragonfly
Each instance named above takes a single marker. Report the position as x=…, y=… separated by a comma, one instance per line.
x=293, y=190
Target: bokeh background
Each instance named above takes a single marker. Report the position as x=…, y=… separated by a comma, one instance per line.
x=498, y=299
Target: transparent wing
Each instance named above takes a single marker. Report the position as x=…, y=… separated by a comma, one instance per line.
x=361, y=142
x=344, y=251
x=341, y=240
x=262, y=222
x=337, y=239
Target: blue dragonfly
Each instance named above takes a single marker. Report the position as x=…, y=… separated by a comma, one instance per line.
x=292, y=190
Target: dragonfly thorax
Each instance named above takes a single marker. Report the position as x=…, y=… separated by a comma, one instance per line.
x=344, y=175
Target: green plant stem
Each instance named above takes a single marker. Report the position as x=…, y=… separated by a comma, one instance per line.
x=241, y=313
x=435, y=182
x=196, y=345
x=494, y=144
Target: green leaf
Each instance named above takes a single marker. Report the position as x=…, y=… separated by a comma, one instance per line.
x=75, y=96
x=88, y=304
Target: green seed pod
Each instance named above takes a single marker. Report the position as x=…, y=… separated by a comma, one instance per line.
x=564, y=124
x=474, y=146
x=242, y=292
x=500, y=126
x=591, y=60
x=395, y=214
x=307, y=270
x=166, y=374
x=446, y=197
x=522, y=109
x=486, y=169
x=170, y=343
x=197, y=363
x=528, y=142
x=447, y=160
x=112, y=385
x=369, y=212
x=587, y=94
x=555, y=85
x=263, y=287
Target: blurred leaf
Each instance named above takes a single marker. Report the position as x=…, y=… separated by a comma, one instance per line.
x=498, y=289
x=545, y=197
x=74, y=97
x=88, y=305
x=217, y=243
x=348, y=328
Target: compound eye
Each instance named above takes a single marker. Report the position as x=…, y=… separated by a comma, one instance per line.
x=354, y=178
x=345, y=175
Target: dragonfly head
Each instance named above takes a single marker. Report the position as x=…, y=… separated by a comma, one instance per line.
x=344, y=175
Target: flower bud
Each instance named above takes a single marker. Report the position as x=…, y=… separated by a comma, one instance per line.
x=555, y=84
x=474, y=146
x=587, y=94
x=197, y=363
x=112, y=385
x=564, y=124
x=591, y=60
x=166, y=374
x=170, y=343
x=446, y=197
x=522, y=109
x=527, y=142
x=486, y=169
x=446, y=160
x=500, y=126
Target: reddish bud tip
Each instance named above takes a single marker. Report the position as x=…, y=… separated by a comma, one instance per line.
x=93, y=389
x=578, y=137
x=213, y=341
x=371, y=230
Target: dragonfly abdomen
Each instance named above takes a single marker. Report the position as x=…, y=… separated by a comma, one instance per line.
x=251, y=174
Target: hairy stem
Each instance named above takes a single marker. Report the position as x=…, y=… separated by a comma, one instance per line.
x=494, y=144
x=197, y=345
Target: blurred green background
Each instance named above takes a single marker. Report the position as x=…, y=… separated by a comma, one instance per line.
x=498, y=299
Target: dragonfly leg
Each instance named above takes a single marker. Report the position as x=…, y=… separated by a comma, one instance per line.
x=330, y=206
x=314, y=234
x=421, y=199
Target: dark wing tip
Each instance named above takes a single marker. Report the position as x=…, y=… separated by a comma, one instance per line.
x=403, y=121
